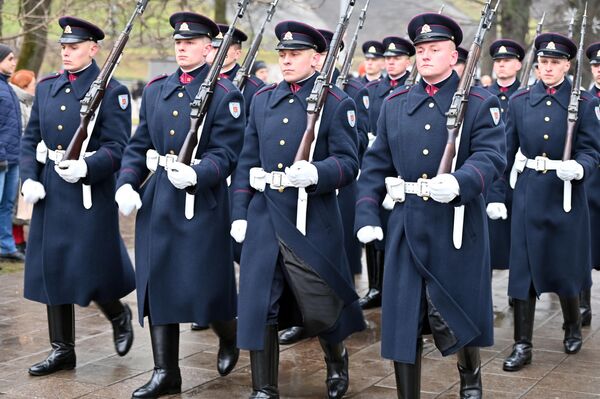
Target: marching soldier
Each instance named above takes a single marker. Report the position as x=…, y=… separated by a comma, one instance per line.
x=397, y=59
x=178, y=277
x=550, y=248
x=507, y=55
x=593, y=185
x=461, y=62
x=374, y=61
x=287, y=278
x=346, y=195
x=425, y=275
x=66, y=262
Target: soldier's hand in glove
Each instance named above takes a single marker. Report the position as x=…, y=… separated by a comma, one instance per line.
x=181, y=175
x=444, y=188
x=570, y=170
x=302, y=174
x=238, y=230
x=71, y=171
x=368, y=234
x=32, y=191
x=128, y=199
x=388, y=203
x=496, y=210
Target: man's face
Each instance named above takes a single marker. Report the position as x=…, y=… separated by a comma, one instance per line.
x=397, y=65
x=296, y=65
x=596, y=73
x=76, y=56
x=553, y=70
x=8, y=65
x=191, y=53
x=373, y=66
x=321, y=61
x=506, y=68
x=263, y=74
x=233, y=55
x=436, y=59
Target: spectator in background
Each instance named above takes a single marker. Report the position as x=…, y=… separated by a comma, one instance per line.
x=486, y=80
x=261, y=71
x=10, y=141
x=23, y=83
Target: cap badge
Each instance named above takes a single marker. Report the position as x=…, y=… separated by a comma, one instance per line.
x=68, y=29
x=372, y=50
x=288, y=36
x=425, y=29
x=502, y=50
x=184, y=26
x=392, y=46
x=598, y=53
x=219, y=36
x=551, y=46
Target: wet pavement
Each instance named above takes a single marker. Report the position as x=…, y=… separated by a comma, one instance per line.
x=101, y=373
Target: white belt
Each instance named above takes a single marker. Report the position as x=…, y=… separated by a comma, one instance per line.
x=542, y=164
x=276, y=180
x=154, y=160
x=397, y=188
x=43, y=153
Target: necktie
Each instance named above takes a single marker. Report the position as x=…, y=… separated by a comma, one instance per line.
x=503, y=89
x=294, y=87
x=551, y=90
x=393, y=82
x=185, y=78
x=431, y=90
x=72, y=77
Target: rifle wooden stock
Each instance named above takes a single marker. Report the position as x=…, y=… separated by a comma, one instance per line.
x=303, y=153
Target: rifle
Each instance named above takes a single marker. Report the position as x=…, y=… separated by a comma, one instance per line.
x=243, y=73
x=199, y=107
x=458, y=108
x=414, y=73
x=342, y=80
x=530, y=57
x=315, y=103
x=573, y=110
x=90, y=104
x=571, y=24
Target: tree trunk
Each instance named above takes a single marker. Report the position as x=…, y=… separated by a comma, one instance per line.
x=221, y=11
x=514, y=17
x=1, y=14
x=34, y=14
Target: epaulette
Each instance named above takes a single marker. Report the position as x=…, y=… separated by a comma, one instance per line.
x=252, y=81
x=51, y=76
x=354, y=84
x=398, y=93
x=335, y=95
x=520, y=93
x=373, y=82
x=266, y=88
x=224, y=87
x=476, y=95
x=156, y=79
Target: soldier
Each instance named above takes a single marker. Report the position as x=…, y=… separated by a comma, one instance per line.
x=287, y=278
x=374, y=61
x=425, y=275
x=66, y=262
x=461, y=62
x=346, y=195
x=231, y=66
x=178, y=277
x=507, y=55
x=550, y=248
x=397, y=59
x=593, y=185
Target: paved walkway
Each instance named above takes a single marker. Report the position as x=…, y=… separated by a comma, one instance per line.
x=100, y=373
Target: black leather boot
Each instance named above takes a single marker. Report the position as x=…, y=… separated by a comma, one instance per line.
x=291, y=335
x=166, y=378
x=585, y=307
x=264, y=365
x=572, y=319
x=524, y=312
x=119, y=315
x=336, y=358
x=61, y=328
x=198, y=327
x=408, y=376
x=375, y=274
x=228, y=352
x=469, y=368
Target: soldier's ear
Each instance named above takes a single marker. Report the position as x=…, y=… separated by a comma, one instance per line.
x=316, y=57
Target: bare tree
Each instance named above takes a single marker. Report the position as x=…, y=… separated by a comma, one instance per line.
x=1, y=13
x=34, y=14
x=221, y=11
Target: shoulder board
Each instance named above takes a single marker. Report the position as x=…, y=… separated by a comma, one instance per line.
x=227, y=89
x=266, y=88
x=251, y=80
x=355, y=84
x=335, y=95
x=51, y=76
x=520, y=93
x=156, y=79
x=398, y=93
x=586, y=95
x=476, y=95
x=373, y=82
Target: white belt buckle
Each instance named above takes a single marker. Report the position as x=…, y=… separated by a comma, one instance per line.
x=169, y=159
x=277, y=180
x=423, y=187
x=58, y=156
x=540, y=164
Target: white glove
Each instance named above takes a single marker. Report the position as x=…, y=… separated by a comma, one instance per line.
x=32, y=191
x=569, y=170
x=302, y=174
x=496, y=210
x=238, y=230
x=388, y=203
x=128, y=199
x=372, y=138
x=72, y=171
x=367, y=234
x=444, y=188
x=182, y=175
